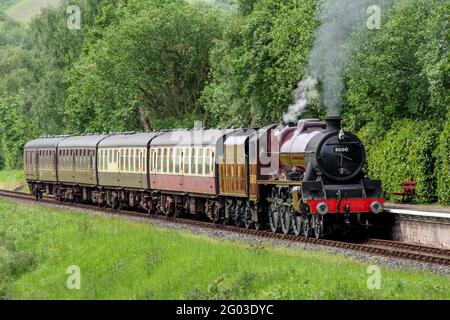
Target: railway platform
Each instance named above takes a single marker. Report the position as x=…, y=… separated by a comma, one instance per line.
x=420, y=224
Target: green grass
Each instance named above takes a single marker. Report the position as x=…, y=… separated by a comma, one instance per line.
x=12, y=179
x=24, y=10
x=133, y=260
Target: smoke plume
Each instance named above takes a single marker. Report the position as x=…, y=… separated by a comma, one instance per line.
x=339, y=18
x=305, y=91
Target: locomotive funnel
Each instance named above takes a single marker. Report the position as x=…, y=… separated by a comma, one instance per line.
x=333, y=123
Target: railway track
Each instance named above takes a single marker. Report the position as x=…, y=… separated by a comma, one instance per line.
x=372, y=246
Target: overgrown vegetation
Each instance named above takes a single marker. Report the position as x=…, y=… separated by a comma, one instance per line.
x=392, y=160
x=129, y=260
x=11, y=180
x=154, y=64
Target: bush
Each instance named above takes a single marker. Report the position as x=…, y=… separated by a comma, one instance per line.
x=442, y=168
x=405, y=153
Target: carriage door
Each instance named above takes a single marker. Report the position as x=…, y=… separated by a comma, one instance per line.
x=72, y=155
x=36, y=164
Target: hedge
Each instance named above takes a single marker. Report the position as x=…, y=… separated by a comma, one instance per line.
x=406, y=152
x=442, y=168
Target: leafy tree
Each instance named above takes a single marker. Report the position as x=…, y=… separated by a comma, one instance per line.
x=147, y=71
x=258, y=64
x=399, y=71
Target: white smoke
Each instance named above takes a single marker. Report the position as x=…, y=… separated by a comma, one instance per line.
x=305, y=91
x=339, y=18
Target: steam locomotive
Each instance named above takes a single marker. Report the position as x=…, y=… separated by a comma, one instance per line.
x=306, y=179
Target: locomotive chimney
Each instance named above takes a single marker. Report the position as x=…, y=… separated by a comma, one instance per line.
x=333, y=123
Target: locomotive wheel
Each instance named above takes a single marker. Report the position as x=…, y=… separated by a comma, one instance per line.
x=238, y=213
x=247, y=216
x=229, y=211
x=318, y=228
x=306, y=226
x=274, y=218
x=115, y=204
x=297, y=225
x=286, y=218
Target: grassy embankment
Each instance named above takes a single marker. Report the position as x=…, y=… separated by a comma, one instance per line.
x=5, y=4
x=14, y=179
x=24, y=10
x=133, y=260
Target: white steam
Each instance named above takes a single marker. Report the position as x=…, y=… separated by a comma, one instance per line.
x=339, y=18
x=305, y=91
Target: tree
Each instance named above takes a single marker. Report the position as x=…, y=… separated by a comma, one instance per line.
x=399, y=71
x=149, y=68
x=257, y=65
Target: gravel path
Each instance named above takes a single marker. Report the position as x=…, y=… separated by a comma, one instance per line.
x=256, y=240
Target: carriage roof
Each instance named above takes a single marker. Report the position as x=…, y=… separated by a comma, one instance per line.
x=44, y=143
x=194, y=137
x=140, y=139
x=85, y=141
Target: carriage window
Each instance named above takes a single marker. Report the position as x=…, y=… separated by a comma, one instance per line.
x=208, y=162
x=121, y=160
x=177, y=161
x=164, y=160
x=137, y=161
x=103, y=158
x=153, y=160
x=186, y=161
x=110, y=156
x=193, y=160
x=132, y=160
x=144, y=163
x=170, y=156
x=125, y=158
x=200, y=161
x=158, y=160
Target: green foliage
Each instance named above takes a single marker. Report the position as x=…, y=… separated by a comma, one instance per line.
x=120, y=259
x=405, y=153
x=151, y=65
x=399, y=71
x=246, y=6
x=442, y=168
x=14, y=130
x=11, y=33
x=258, y=64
